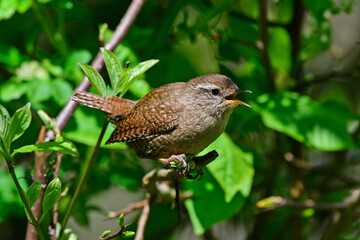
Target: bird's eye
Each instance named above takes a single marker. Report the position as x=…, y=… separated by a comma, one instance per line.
x=215, y=91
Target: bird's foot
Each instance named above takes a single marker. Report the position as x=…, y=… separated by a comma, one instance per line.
x=177, y=162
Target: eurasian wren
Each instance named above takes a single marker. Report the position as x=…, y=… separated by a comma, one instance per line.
x=180, y=118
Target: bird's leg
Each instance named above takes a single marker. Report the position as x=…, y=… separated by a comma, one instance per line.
x=178, y=162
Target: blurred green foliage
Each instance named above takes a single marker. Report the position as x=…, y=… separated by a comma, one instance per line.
x=299, y=141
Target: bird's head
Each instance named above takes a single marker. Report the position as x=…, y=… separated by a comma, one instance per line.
x=216, y=92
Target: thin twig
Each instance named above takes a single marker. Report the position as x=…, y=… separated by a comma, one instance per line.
x=24, y=199
x=39, y=175
x=282, y=202
x=128, y=209
x=98, y=63
x=83, y=177
x=143, y=220
x=322, y=78
x=115, y=235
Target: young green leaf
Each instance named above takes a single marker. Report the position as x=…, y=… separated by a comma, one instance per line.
x=123, y=81
x=49, y=122
x=51, y=196
x=20, y=121
x=33, y=192
x=121, y=220
x=73, y=236
x=59, y=144
x=114, y=69
x=4, y=122
x=105, y=233
x=128, y=234
x=138, y=71
x=95, y=79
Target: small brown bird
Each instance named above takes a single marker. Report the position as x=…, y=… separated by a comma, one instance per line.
x=173, y=121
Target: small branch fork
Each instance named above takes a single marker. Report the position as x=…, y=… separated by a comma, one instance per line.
x=117, y=234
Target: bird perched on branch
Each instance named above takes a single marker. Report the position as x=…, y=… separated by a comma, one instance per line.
x=173, y=121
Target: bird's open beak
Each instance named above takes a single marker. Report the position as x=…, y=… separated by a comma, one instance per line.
x=231, y=98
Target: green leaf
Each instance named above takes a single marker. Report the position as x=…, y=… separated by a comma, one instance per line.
x=51, y=196
x=12, y=90
x=137, y=72
x=95, y=79
x=114, y=69
x=208, y=205
x=20, y=121
x=59, y=144
x=73, y=236
x=128, y=234
x=123, y=82
x=61, y=97
x=7, y=8
x=140, y=88
x=105, y=233
x=121, y=220
x=233, y=168
x=4, y=122
x=49, y=122
x=307, y=121
x=33, y=192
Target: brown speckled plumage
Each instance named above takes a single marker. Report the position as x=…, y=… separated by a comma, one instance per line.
x=178, y=118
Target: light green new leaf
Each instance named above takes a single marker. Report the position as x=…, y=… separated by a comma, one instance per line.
x=95, y=79
x=49, y=122
x=33, y=192
x=307, y=121
x=123, y=82
x=20, y=121
x=4, y=122
x=233, y=168
x=59, y=144
x=114, y=69
x=138, y=71
x=73, y=236
x=51, y=196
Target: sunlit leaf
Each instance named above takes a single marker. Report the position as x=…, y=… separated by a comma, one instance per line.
x=232, y=169
x=114, y=69
x=51, y=196
x=33, y=192
x=208, y=205
x=12, y=90
x=8, y=8
x=20, y=121
x=306, y=121
x=59, y=144
x=137, y=72
x=95, y=79
x=4, y=122
x=123, y=82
